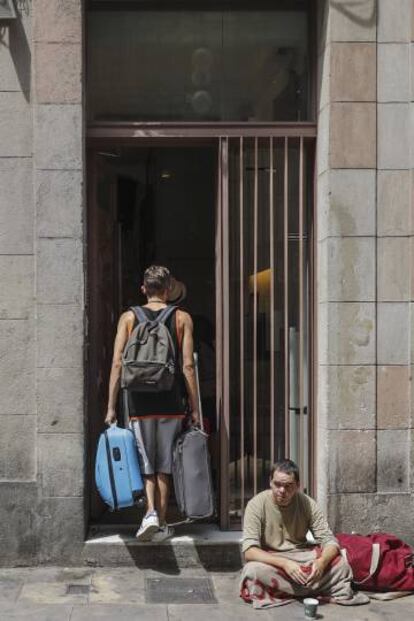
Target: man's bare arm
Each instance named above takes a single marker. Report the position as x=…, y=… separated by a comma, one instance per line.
x=291, y=568
x=115, y=375
x=319, y=527
x=188, y=365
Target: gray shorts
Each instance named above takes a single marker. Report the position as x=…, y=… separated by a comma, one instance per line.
x=155, y=439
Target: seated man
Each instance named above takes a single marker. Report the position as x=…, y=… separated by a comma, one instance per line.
x=281, y=565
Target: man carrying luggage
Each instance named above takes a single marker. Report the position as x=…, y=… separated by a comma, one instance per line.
x=156, y=417
x=281, y=565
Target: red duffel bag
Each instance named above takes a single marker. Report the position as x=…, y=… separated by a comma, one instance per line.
x=379, y=562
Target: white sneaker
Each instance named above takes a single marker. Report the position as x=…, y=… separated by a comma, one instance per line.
x=164, y=532
x=149, y=525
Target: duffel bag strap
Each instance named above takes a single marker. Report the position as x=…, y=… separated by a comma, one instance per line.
x=375, y=559
x=186, y=521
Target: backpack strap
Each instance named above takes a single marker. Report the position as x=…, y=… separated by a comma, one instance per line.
x=165, y=313
x=139, y=314
x=179, y=334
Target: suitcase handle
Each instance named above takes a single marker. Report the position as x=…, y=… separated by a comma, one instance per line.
x=200, y=407
x=198, y=428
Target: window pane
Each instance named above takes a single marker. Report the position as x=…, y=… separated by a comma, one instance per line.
x=265, y=66
x=197, y=65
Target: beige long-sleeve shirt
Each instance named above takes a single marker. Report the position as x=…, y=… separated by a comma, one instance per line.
x=270, y=527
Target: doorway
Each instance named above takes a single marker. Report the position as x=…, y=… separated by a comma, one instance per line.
x=231, y=216
x=149, y=205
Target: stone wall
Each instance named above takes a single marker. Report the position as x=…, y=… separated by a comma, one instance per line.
x=41, y=283
x=365, y=271
x=59, y=326
x=18, y=420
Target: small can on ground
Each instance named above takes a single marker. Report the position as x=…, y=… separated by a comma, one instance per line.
x=311, y=607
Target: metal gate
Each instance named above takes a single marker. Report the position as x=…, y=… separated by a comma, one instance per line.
x=264, y=312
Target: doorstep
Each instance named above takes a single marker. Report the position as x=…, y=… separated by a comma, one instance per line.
x=198, y=546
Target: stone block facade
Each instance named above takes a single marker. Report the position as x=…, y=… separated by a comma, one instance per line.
x=58, y=139
x=42, y=464
x=365, y=283
x=365, y=273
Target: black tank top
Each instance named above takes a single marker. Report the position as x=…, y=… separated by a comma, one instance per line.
x=167, y=403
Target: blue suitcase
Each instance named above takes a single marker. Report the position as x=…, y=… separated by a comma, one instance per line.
x=117, y=473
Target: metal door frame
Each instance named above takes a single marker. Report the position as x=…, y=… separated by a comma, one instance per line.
x=108, y=134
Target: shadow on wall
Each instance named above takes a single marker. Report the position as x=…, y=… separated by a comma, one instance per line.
x=347, y=9
x=19, y=48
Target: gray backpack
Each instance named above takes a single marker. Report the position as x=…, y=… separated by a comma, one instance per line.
x=148, y=360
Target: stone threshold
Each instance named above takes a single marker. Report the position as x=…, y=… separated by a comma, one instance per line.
x=201, y=546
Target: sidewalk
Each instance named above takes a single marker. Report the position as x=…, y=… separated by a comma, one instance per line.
x=121, y=594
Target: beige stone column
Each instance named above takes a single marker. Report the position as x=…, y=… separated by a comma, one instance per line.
x=365, y=276
x=394, y=268
x=59, y=202
x=347, y=158
x=18, y=473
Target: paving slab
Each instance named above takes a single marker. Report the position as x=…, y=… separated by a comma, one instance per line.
x=35, y=613
x=290, y=612
x=119, y=613
x=50, y=593
x=69, y=575
x=118, y=586
x=401, y=609
x=9, y=590
x=228, y=612
x=227, y=588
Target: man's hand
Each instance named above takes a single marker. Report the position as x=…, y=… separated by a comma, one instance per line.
x=195, y=417
x=294, y=571
x=317, y=571
x=110, y=417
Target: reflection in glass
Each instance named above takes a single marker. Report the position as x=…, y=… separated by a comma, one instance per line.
x=198, y=65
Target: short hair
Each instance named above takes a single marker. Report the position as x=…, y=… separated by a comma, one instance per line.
x=287, y=466
x=157, y=279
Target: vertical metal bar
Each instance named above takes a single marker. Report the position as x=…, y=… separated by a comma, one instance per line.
x=301, y=323
x=219, y=318
x=241, y=336
x=286, y=292
x=313, y=323
x=255, y=267
x=219, y=338
x=272, y=306
x=119, y=275
x=225, y=449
